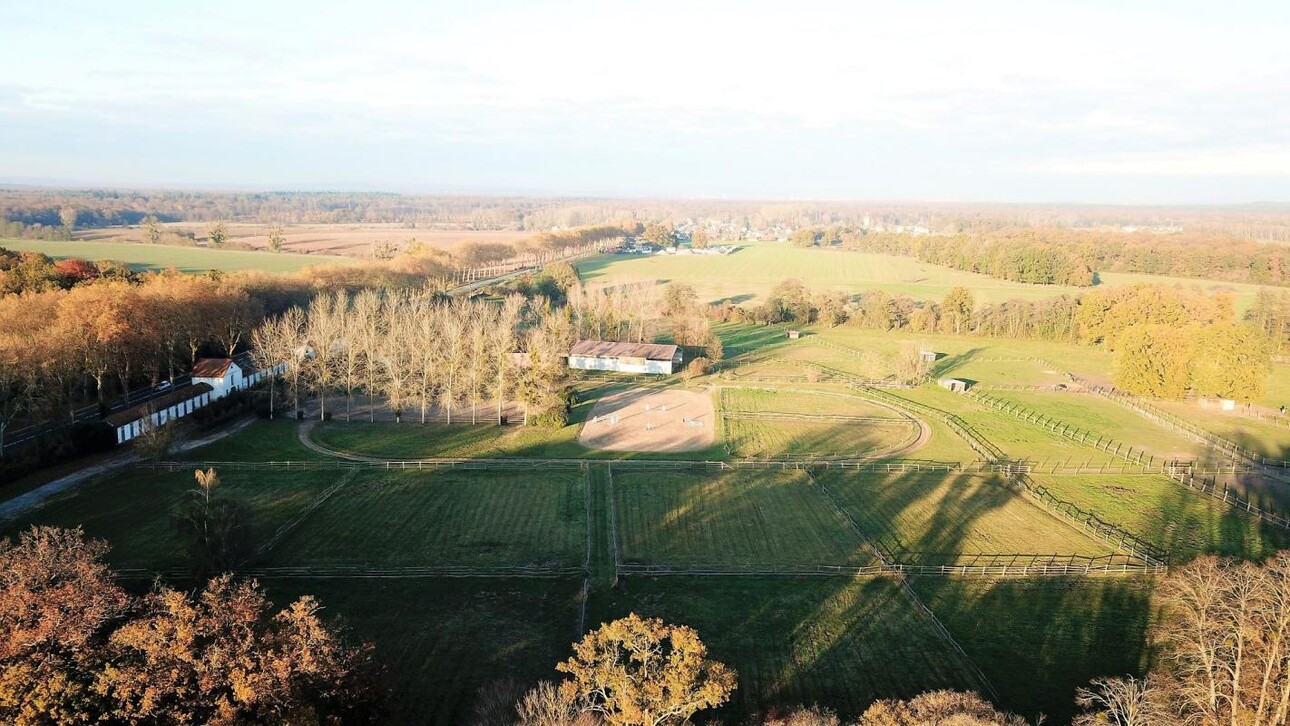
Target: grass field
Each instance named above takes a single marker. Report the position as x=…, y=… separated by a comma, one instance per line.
x=756, y=267
x=801, y=401
x=945, y=518
x=262, y=440
x=133, y=510
x=449, y=517
x=732, y=519
x=1017, y=438
x=835, y=642
x=184, y=259
x=1106, y=418
x=1038, y=640
x=755, y=438
x=1181, y=522
x=444, y=640
x=1263, y=437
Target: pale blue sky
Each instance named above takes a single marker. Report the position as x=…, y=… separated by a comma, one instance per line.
x=1134, y=102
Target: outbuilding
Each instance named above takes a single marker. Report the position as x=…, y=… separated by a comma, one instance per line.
x=957, y=385
x=226, y=375
x=603, y=355
x=133, y=421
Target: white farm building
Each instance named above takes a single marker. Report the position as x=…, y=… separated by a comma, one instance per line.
x=225, y=375
x=603, y=355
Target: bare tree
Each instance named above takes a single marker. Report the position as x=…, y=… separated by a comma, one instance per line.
x=1119, y=702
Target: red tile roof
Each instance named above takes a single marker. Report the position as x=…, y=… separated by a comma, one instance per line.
x=211, y=367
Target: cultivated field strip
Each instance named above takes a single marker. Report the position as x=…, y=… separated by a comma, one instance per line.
x=776, y=519
x=447, y=518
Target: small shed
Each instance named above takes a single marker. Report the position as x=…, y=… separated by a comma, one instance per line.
x=223, y=375
x=957, y=385
x=794, y=334
x=929, y=356
x=1228, y=404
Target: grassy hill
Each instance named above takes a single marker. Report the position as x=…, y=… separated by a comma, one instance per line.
x=755, y=268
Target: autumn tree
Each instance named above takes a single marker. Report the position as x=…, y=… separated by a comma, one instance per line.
x=1154, y=360
x=700, y=239
x=57, y=600
x=67, y=216
x=679, y=298
x=1232, y=360
x=217, y=233
x=659, y=234
x=276, y=238
x=956, y=309
x=938, y=707
x=226, y=658
x=151, y=229
x=217, y=529
x=643, y=672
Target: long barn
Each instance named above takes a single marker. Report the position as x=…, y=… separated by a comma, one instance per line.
x=604, y=355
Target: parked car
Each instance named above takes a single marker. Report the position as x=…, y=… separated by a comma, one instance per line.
x=164, y=385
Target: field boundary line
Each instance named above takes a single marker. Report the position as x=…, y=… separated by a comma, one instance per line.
x=855, y=526
x=1111, y=565
x=613, y=521
x=947, y=637
x=586, y=558
x=287, y=527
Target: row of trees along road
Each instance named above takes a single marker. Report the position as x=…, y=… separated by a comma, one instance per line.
x=424, y=353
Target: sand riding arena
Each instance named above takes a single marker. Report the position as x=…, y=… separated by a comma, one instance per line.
x=651, y=419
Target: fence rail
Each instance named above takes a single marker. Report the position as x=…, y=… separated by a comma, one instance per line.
x=1064, y=430
x=1223, y=494
x=979, y=443
x=365, y=572
x=1059, y=567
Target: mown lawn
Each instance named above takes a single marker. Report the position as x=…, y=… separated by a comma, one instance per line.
x=835, y=641
x=933, y=518
x=441, y=641
x=1174, y=518
x=1038, y=640
x=730, y=519
x=448, y=517
x=132, y=510
x=800, y=401
x=263, y=440
x=184, y=259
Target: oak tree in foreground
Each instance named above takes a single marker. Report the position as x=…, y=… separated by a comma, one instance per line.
x=643, y=672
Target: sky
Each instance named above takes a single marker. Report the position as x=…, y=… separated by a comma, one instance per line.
x=1105, y=102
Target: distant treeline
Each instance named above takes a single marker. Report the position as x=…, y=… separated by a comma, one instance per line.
x=723, y=218
x=1051, y=256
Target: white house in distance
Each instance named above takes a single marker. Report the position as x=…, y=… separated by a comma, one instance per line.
x=603, y=355
x=225, y=375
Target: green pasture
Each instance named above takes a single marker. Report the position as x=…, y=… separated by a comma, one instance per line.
x=947, y=518
x=769, y=439
x=185, y=259
x=730, y=519
x=788, y=400
x=1017, y=438
x=1038, y=640
x=446, y=517
x=443, y=640
x=262, y=440
x=1106, y=418
x=1181, y=522
x=1262, y=437
x=133, y=510
x=833, y=641
x=750, y=273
